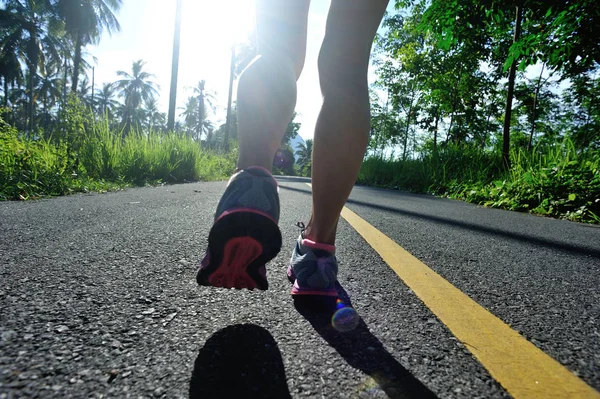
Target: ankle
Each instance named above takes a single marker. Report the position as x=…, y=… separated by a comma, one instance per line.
x=313, y=235
x=262, y=165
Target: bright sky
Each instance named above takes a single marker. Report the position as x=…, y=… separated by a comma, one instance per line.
x=208, y=29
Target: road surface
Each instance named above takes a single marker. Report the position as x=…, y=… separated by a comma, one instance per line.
x=98, y=299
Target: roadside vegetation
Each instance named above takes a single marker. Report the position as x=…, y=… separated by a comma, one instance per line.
x=92, y=157
x=490, y=102
x=559, y=181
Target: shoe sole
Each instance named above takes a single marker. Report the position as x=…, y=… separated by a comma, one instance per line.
x=239, y=244
x=296, y=291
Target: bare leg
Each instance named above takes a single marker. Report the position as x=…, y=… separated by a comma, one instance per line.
x=345, y=114
x=267, y=88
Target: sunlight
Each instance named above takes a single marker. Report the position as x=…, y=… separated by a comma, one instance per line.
x=208, y=30
x=223, y=23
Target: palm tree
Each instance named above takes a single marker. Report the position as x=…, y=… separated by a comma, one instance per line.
x=190, y=115
x=203, y=99
x=85, y=20
x=175, y=66
x=57, y=56
x=18, y=100
x=136, y=88
x=304, y=154
x=49, y=85
x=105, y=100
x=153, y=117
x=84, y=92
x=241, y=55
x=194, y=123
x=31, y=26
x=10, y=53
x=208, y=127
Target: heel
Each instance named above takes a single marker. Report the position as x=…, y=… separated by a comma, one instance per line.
x=239, y=253
x=240, y=244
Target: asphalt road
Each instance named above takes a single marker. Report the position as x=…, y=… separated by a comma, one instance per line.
x=98, y=299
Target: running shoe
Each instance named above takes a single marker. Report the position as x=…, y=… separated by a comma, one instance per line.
x=245, y=235
x=313, y=268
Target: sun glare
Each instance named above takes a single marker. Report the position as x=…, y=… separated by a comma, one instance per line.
x=224, y=22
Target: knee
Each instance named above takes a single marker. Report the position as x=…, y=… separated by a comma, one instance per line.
x=270, y=71
x=342, y=68
x=286, y=56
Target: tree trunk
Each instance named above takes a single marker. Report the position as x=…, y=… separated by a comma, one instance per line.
x=450, y=127
x=435, y=131
x=45, y=120
x=93, y=83
x=533, y=116
x=32, y=63
x=487, y=125
x=407, y=126
x=174, y=68
x=200, y=116
x=229, y=99
x=64, y=96
x=454, y=100
x=509, y=95
x=76, y=63
x=5, y=93
x=30, y=110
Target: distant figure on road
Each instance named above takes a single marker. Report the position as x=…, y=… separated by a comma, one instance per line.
x=245, y=234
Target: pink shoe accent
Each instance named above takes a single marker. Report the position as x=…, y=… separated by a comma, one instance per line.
x=236, y=210
x=317, y=245
x=239, y=252
x=299, y=291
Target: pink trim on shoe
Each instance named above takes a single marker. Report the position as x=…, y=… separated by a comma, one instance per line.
x=250, y=210
x=317, y=245
x=239, y=252
x=299, y=291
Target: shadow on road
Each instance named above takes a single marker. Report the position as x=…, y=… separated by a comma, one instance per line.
x=362, y=350
x=239, y=361
x=556, y=245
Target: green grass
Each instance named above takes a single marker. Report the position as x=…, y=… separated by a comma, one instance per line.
x=557, y=181
x=431, y=173
x=101, y=160
x=152, y=157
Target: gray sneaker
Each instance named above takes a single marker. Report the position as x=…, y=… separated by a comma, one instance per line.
x=313, y=268
x=245, y=235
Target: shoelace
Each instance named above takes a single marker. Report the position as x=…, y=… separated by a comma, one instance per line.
x=302, y=228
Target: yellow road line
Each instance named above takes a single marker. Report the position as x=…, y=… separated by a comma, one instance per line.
x=518, y=365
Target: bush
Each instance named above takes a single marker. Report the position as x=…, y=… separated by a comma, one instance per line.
x=433, y=172
x=557, y=181
x=29, y=168
x=86, y=155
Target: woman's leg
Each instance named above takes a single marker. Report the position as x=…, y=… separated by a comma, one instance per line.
x=245, y=235
x=267, y=89
x=342, y=129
